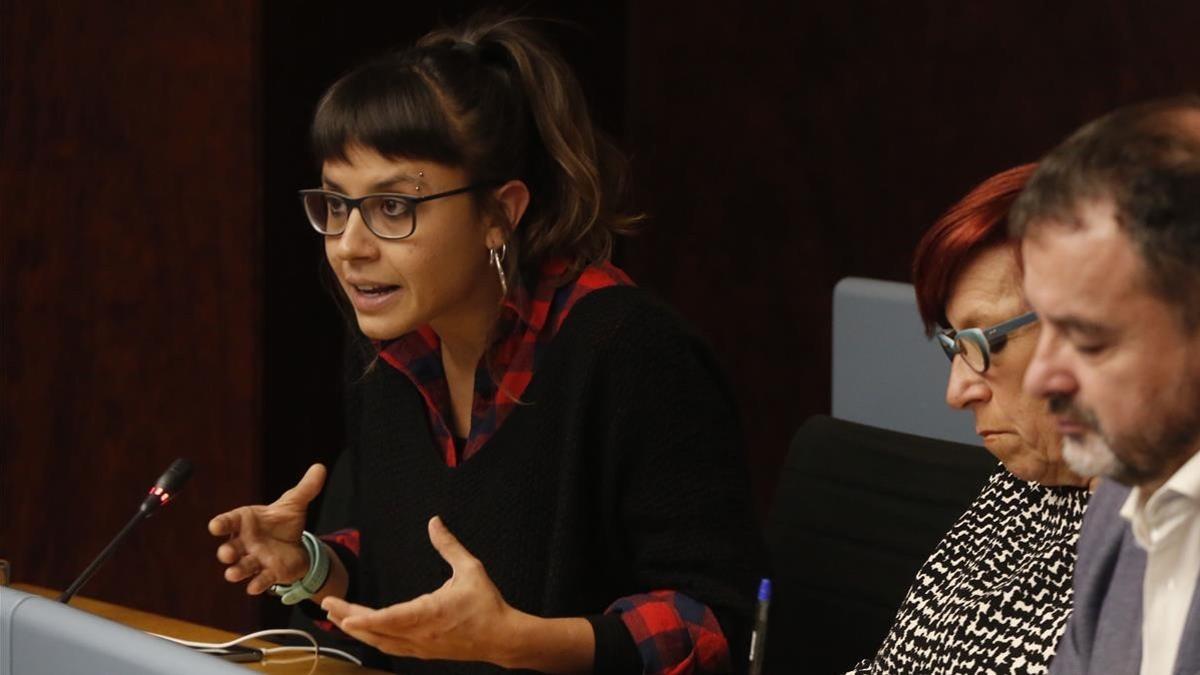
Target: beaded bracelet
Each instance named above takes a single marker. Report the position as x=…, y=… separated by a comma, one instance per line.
x=314, y=579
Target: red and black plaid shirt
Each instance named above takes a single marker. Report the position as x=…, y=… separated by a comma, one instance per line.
x=527, y=324
x=674, y=633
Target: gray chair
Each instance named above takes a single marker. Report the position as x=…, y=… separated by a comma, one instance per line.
x=865, y=496
x=885, y=372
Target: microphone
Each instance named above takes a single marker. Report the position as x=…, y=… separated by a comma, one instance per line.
x=163, y=491
x=167, y=485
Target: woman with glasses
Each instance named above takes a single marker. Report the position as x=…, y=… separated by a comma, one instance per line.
x=544, y=462
x=995, y=595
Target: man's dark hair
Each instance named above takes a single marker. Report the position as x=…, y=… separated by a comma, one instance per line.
x=1146, y=159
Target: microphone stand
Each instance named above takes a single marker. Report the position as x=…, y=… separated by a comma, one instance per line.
x=66, y=596
x=168, y=484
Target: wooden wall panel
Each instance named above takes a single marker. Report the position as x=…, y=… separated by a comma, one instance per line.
x=152, y=305
x=129, y=201
x=783, y=146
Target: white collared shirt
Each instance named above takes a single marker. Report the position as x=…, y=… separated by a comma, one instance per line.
x=1167, y=526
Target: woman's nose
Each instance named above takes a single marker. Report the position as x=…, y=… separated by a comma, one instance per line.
x=965, y=387
x=356, y=241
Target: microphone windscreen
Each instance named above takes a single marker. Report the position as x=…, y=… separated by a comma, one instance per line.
x=175, y=476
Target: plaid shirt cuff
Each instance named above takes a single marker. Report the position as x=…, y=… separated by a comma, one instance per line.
x=675, y=634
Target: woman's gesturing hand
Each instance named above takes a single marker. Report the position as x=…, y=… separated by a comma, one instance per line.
x=467, y=619
x=264, y=541
x=462, y=620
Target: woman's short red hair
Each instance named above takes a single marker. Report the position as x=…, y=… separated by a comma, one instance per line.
x=977, y=222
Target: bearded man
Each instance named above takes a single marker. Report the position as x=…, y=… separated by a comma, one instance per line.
x=1110, y=227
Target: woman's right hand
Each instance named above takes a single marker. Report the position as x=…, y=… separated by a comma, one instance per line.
x=264, y=541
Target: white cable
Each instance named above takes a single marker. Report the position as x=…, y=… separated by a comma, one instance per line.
x=316, y=649
x=239, y=640
x=324, y=650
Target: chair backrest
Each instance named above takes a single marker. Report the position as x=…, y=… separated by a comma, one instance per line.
x=885, y=372
x=857, y=511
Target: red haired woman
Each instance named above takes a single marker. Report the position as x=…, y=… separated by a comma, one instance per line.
x=995, y=595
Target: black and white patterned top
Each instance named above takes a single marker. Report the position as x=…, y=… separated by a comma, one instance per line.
x=995, y=595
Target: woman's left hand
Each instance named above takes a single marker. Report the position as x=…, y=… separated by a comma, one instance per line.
x=465, y=620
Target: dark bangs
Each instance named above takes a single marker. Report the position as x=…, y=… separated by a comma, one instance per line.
x=388, y=106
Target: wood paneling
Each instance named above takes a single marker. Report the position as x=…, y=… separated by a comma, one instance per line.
x=152, y=305
x=129, y=199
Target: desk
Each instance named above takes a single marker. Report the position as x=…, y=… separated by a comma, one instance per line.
x=296, y=663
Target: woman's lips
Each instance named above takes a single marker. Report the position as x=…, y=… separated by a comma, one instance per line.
x=369, y=298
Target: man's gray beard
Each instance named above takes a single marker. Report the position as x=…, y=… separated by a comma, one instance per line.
x=1090, y=456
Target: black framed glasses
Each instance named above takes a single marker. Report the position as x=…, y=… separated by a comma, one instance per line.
x=387, y=215
x=976, y=345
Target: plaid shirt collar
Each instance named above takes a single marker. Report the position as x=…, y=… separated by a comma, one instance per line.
x=528, y=323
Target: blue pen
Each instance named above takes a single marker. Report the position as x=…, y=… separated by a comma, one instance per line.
x=758, y=639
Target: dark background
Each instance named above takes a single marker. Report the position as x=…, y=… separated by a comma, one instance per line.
x=160, y=295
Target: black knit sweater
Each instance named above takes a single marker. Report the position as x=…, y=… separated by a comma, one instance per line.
x=621, y=473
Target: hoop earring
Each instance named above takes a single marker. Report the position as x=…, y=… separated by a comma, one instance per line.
x=496, y=259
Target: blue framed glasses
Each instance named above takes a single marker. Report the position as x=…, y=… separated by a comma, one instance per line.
x=976, y=345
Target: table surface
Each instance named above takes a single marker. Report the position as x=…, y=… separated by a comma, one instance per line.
x=292, y=662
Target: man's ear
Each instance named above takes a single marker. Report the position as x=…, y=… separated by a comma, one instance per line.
x=513, y=199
